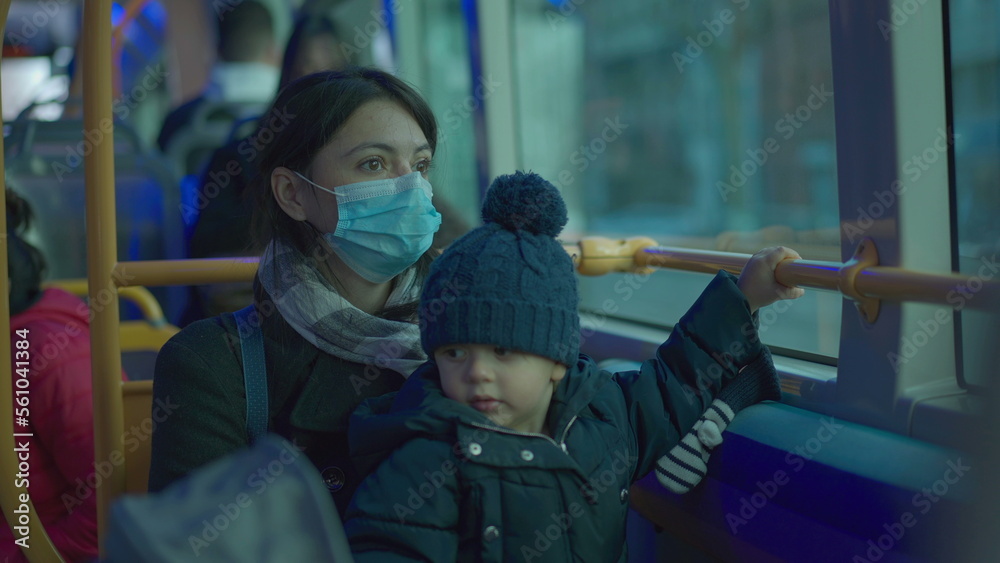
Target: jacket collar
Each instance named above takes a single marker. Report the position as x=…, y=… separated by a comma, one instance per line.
x=420, y=409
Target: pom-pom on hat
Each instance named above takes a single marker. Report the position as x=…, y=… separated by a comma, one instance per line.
x=509, y=282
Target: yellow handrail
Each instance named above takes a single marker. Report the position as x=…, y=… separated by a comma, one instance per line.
x=138, y=295
x=184, y=272
x=99, y=169
x=860, y=279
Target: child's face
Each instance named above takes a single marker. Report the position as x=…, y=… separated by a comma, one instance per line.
x=513, y=389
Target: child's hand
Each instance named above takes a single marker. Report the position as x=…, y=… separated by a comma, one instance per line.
x=757, y=279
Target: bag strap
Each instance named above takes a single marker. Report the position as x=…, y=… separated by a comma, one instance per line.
x=254, y=370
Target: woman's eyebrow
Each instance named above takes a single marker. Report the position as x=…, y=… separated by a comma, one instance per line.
x=371, y=145
x=384, y=147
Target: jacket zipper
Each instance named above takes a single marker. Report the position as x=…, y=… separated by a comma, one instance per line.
x=562, y=441
x=561, y=444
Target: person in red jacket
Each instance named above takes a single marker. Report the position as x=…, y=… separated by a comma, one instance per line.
x=53, y=327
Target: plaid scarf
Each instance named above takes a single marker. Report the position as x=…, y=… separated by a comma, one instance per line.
x=308, y=302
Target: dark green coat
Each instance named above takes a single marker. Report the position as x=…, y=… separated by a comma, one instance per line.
x=311, y=395
x=452, y=486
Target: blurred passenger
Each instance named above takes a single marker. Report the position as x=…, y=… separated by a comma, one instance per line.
x=223, y=214
x=224, y=218
x=314, y=46
x=50, y=331
x=246, y=69
x=508, y=443
x=343, y=211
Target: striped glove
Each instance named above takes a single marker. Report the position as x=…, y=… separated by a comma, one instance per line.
x=685, y=464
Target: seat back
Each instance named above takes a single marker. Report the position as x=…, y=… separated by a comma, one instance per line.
x=44, y=162
x=191, y=147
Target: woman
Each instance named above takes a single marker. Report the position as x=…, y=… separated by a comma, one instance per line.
x=343, y=210
x=50, y=332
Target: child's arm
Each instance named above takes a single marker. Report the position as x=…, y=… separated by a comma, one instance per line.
x=685, y=464
x=714, y=341
x=407, y=510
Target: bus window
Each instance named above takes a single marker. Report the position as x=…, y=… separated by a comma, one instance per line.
x=706, y=125
x=432, y=50
x=975, y=80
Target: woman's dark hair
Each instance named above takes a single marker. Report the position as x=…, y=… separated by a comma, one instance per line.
x=301, y=121
x=307, y=27
x=25, y=263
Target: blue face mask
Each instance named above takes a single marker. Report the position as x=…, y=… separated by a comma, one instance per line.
x=384, y=226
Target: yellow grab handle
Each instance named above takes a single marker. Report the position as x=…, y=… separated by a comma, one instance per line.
x=596, y=256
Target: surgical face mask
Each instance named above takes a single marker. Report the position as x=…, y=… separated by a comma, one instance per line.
x=384, y=226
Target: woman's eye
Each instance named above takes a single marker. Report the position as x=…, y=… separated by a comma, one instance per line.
x=500, y=351
x=372, y=165
x=424, y=166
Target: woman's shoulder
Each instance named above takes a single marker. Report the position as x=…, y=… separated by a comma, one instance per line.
x=207, y=341
x=210, y=332
x=200, y=368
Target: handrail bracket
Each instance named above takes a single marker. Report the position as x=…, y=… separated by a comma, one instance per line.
x=865, y=256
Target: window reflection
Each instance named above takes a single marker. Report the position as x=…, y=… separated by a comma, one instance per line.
x=701, y=124
x=975, y=83
x=707, y=124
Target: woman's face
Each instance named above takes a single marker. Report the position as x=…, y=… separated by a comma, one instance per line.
x=380, y=140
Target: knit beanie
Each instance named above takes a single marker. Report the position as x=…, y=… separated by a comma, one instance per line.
x=509, y=282
x=686, y=464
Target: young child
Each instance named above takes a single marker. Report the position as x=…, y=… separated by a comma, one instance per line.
x=510, y=445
